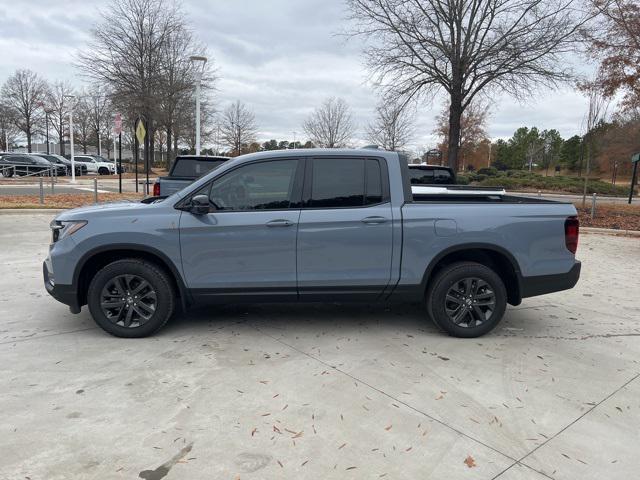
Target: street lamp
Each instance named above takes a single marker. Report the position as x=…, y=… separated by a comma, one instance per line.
x=199, y=71
x=73, y=162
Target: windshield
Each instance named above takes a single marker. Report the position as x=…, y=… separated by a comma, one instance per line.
x=194, y=167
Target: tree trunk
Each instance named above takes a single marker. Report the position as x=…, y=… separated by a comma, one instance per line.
x=455, y=114
x=28, y=140
x=169, y=157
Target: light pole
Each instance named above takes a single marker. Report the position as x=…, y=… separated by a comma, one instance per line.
x=199, y=71
x=47, y=112
x=73, y=161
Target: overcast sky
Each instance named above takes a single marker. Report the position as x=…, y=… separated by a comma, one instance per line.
x=280, y=57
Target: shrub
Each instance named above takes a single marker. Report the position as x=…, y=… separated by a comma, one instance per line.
x=489, y=171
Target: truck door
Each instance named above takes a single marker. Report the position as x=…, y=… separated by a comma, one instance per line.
x=246, y=245
x=345, y=230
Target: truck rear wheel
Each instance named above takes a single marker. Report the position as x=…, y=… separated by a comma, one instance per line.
x=131, y=298
x=466, y=299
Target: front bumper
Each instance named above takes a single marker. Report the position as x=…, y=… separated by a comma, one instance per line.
x=542, y=284
x=66, y=294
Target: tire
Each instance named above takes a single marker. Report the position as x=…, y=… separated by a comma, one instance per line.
x=103, y=171
x=8, y=173
x=123, y=277
x=466, y=299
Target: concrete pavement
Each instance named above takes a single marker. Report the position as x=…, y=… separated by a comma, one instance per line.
x=322, y=391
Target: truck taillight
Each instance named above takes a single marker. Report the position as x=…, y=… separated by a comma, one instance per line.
x=156, y=189
x=571, y=233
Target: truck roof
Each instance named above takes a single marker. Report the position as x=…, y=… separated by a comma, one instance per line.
x=320, y=152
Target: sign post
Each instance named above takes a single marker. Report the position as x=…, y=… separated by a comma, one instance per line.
x=117, y=129
x=140, y=134
x=635, y=160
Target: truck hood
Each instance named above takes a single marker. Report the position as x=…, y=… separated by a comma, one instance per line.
x=85, y=213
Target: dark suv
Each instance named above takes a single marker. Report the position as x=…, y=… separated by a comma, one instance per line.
x=25, y=164
x=59, y=160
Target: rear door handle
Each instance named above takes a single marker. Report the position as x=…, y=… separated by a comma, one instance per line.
x=279, y=223
x=374, y=220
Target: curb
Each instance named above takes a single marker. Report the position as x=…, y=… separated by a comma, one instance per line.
x=26, y=211
x=610, y=231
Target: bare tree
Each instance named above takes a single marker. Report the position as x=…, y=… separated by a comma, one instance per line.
x=238, y=127
x=331, y=124
x=82, y=122
x=59, y=104
x=466, y=48
x=597, y=113
x=24, y=93
x=100, y=112
x=127, y=56
x=393, y=127
x=8, y=129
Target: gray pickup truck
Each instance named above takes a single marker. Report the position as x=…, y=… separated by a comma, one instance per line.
x=312, y=225
x=184, y=171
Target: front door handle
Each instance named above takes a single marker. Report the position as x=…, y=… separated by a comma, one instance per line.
x=375, y=220
x=279, y=223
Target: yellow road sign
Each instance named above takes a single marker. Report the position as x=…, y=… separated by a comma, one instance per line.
x=141, y=132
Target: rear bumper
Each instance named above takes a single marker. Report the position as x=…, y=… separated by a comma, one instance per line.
x=66, y=294
x=540, y=285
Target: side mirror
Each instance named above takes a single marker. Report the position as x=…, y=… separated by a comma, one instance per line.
x=200, y=205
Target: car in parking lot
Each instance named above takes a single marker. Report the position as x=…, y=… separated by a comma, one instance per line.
x=95, y=164
x=312, y=225
x=81, y=169
x=184, y=171
x=25, y=164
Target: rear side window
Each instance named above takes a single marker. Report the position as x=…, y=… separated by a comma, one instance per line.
x=193, y=167
x=345, y=182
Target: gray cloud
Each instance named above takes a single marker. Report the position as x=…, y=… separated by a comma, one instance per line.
x=281, y=57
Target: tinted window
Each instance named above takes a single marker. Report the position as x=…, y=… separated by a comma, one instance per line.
x=80, y=158
x=373, y=190
x=419, y=176
x=193, y=167
x=337, y=182
x=442, y=176
x=259, y=186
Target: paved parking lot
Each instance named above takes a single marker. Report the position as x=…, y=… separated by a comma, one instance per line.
x=322, y=392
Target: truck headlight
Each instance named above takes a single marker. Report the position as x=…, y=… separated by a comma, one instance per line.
x=65, y=228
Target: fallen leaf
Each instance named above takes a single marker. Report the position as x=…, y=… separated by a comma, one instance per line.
x=469, y=461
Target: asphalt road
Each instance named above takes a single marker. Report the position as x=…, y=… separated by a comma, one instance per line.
x=322, y=391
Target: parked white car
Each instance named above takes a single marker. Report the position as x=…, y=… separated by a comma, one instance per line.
x=96, y=164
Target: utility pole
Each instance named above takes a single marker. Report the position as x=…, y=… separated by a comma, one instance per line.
x=195, y=59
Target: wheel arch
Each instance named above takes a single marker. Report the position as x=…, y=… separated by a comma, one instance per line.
x=97, y=258
x=492, y=256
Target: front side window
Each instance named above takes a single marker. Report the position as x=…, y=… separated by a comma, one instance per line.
x=345, y=182
x=258, y=186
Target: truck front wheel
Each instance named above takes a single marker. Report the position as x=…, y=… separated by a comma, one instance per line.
x=131, y=298
x=466, y=299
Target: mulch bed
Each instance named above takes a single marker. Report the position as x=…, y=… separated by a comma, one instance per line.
x=63, y=200
x=618, y=217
